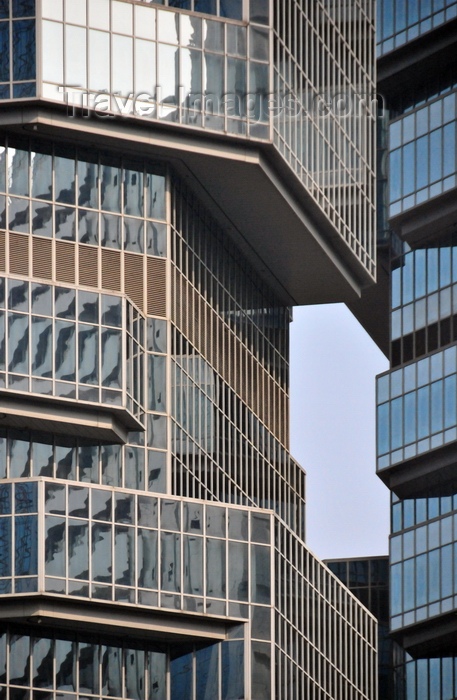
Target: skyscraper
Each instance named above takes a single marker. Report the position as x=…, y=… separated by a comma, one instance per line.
x=417, y=413
x=173, y=178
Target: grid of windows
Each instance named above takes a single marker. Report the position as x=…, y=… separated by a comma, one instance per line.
x=132, y=466
x=74, y=194
x=423, y=580
x=229, y=373
x=136, y=549
x=417, y=407
x=325, y=123
x=92, y=666
x=158, y=64
x=231, y=9
x=427, y=679
x=400, y=21
x=368, y=579
x=422, y=154
x=225, y=386
x=314, y=614
x=424, y=301
x=17, y=49
x=71, y=344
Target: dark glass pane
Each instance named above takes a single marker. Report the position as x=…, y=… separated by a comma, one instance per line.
x=26, y=545
x=261, y=669
x=157, y=667
x=25, y=496
x=24, y=49
x=64, y=179
x=23, y=8
x=19, y=659
x=5, y=546
x=233, y=672
x=88, y=668
x=101, y=553
x=112, y=671
x=24, y=90
x=233, y=9
x=43, y=656
x=4, y=50
x=259, y=11
x=65, y=665
x=147, y=559
x=78, y=549
x=55, y=546
x=207, y=661
x=181, y=678
x=238, y=571
x=5, y=496
x=208, y=6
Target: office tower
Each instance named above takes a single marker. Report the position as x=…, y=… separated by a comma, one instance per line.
x=417, y=419
x=368, y=579
x=173, y=177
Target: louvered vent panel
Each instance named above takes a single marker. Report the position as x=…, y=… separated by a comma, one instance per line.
x=42, y=258
x=2, y=251
x=133, y=278
x=156, y=287
x=111, y=270
x=88, y=265
x=65, y=262
x=19, y=254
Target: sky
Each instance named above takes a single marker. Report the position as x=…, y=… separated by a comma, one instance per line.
x=332, y=385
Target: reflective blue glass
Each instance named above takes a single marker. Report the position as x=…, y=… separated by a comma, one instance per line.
x=26, y=549
x=232, y=670
x=434, y=575
x=207, y=672
x=5, y=546
x=24, y=49
x=4, y=51
x=421, y=580
x=5, y=499
x=423, y=412
x=25, y=498
x=23, y=8
x=181, y=678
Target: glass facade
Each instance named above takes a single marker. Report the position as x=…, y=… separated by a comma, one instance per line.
x=168, y=560
x=422, y=153
x=224, y=67
x=17, y=49
x=401, y=21
x=368, y=580
x=416, y=399
x=326, y=128
x=137, y=295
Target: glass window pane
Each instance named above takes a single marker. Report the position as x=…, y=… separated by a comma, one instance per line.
x=65, y=665
x=24, y=49
x=26, y=545
x=65, y=351
x=147, y=559
x=101, y=553
x=88, y=354
x=52, y=58
x=55, y=546
x=43, y=657
x=19, y=659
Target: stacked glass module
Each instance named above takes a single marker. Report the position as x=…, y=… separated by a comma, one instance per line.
x=417, y=398
x=152, y=519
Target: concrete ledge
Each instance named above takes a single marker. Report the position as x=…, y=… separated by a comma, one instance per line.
x=87, y=616
x=433, y=473
x=72, y=418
